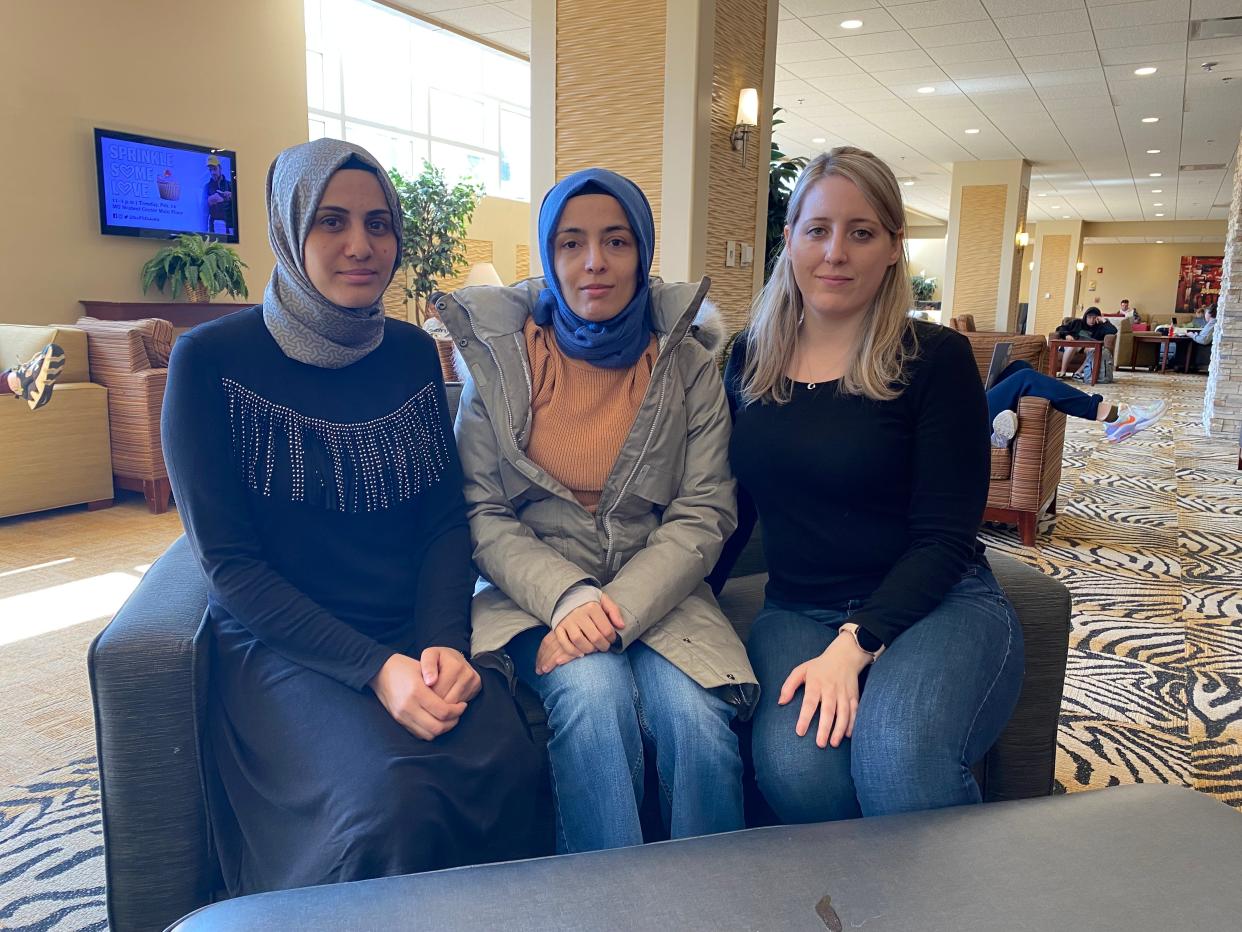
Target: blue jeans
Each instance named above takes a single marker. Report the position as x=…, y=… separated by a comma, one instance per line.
x=602, y=710
x=931, y=706
x=1019, y=380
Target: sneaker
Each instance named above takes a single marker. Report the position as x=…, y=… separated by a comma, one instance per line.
x=38, y=375
x=1004, y=427
x=1133, y=418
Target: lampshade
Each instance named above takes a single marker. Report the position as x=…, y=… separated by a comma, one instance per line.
x=748, y=107
x=1080, y=266
x=483, y=273
x=1023, y=239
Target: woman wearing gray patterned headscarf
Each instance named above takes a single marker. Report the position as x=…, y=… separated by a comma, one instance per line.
x=310, y=450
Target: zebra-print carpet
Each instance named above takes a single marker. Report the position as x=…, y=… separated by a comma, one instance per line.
x=1149, y=539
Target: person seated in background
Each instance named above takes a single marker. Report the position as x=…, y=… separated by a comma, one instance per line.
x=1020, y=380
x=1091, y=326
x=1132, y=312
x=1207, y=332
x=34, y=379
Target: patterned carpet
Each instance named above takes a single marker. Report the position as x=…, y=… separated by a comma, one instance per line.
x=1149, y=539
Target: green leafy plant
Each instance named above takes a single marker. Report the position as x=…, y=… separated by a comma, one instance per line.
x=201, y=266
x=924, y=287
x=782, y=173
x=433, y=229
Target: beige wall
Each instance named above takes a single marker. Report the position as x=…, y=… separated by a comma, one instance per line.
x=142, y=67
x=1146, y=274
x=506, y=225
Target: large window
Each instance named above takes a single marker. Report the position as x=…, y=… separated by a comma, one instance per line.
x=407, y=92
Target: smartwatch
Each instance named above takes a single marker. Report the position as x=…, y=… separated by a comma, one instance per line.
x=867, y=642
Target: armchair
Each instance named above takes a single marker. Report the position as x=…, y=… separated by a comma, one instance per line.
x=130, y=357
x=1025, y=475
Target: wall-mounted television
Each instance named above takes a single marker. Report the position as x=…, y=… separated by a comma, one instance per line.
x=159, y=188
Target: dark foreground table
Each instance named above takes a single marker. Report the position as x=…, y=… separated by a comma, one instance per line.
x=1129, y=858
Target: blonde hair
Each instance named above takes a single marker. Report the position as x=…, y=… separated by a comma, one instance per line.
x=887, y=339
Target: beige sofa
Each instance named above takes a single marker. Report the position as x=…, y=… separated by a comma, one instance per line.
x=58, y=455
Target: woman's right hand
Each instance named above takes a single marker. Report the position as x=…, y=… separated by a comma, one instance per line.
x=400, y=688
x=590, y=627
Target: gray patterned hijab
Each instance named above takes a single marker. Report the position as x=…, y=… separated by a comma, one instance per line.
x=306, y=325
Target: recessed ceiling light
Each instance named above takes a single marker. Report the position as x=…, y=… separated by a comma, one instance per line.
x=1145, y=71
x=971, y=132
x=1065, y=216
x=1157, y=190
x=1159, y=242
x=907, y=183
x=927, y=90
x=1159, y=215
x=1151, y=119
x=1153, y=151
x=1158, y=204
x=818, y=139
x=852, y=24
x=1041, y=195
x=1155, y=174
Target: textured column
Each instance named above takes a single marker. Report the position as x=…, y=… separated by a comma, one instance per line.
x=1222, y=402
x=983, y=263
x=1055, y=278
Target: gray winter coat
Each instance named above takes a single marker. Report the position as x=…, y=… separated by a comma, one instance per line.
x=665, y=511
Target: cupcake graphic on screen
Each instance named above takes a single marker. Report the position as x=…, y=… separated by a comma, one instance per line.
x=170, y=188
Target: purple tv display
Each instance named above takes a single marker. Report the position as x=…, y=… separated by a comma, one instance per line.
x=159, y=188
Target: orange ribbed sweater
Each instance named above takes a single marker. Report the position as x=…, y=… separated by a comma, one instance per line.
x=580, y=413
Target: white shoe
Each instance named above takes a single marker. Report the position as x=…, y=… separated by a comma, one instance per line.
x=1133, y=418
x=1004, y=427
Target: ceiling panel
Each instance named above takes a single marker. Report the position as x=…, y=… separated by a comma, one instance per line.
x=930, y=37
x=873, y=20
x=882, y=42
x=974, y=51
x=938, y=13
x=1144, y=13
x=1043, y=24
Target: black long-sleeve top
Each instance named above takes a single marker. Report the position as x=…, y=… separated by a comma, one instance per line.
x=325, y=505
x=873, y=500
x=1078, y=329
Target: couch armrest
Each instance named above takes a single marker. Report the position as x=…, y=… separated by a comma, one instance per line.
x=148, y=671
x=1022, y=762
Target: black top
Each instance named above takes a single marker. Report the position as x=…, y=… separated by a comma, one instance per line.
x=324, y=504
x=1078, y=329
x=872, y=500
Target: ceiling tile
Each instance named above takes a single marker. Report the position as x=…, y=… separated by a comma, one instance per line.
x=1043, y=24
x=928, y=75
x=1013, y=82
x=482, y=19
x=1164, y=52
x=1140, y=14
x=1214, y=47
x=805, y=51
x=876, y=64
x=1052, y=45
x=938, y=13
x=1034, y=64
x=1131, y=36
x=982, y=69
x=1021, y=7
x=794, y=30
x=1093, y=76
x=873, y=21
x=822, y=68
x=975, y=51
x=1212, y=9
x=805, y=8
x=930, y=37
x=881, y=42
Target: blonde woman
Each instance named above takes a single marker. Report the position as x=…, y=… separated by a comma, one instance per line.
x=862, y=438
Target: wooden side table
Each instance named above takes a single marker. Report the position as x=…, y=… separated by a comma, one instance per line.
x=1186, y=347
x=1055, y=344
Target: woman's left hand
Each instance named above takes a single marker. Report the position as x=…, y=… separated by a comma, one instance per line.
x=829, y=683
x=449, y=674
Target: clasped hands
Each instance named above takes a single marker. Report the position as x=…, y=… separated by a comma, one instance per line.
x=588, y=628
x=427, y=696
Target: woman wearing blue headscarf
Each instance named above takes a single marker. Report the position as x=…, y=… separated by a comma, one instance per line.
x=593, y=432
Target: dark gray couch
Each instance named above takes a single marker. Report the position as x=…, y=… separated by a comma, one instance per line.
x=150, y=667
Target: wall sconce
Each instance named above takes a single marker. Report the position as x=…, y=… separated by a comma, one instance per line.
x=747, y=119
x=1080, y=265
x=1023, y=239
x=1030, y=266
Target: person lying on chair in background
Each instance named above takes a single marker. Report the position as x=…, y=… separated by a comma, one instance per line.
x=1020, y=380
x=34, y=379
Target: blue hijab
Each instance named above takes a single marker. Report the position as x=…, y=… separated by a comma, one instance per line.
x=610, y=344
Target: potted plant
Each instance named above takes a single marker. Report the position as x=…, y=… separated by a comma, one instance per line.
x=782, y=173
x=433, y=230
x=198, y=264
x=923, y=287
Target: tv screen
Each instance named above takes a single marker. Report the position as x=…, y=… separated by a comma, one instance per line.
x=159, y=188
